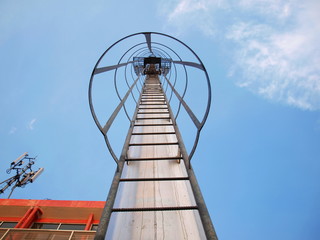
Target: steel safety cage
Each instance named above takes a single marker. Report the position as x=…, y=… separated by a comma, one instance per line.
x=174, y=88
x=171, y=58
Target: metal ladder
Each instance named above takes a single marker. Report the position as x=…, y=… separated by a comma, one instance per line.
x=155, y=198
x=154, y=193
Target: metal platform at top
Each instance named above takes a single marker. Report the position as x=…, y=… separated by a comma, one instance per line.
x=154, y=193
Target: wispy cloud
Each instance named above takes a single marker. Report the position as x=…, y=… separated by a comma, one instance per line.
x=191, y=14
x=279, y=9
x=275, y=44
x=13, y=130
x=31, y=124
x=281, y=63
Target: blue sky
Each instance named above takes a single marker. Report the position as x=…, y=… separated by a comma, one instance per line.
x=258, y=159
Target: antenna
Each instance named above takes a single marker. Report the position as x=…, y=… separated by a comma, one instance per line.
x=36, y=174
x=17, y=162
x=24, y=173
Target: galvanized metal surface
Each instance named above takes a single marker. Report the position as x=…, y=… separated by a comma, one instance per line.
x=154, y=194
x=154, y=209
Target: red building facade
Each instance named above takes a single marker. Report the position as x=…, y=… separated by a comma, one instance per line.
x=49, y=219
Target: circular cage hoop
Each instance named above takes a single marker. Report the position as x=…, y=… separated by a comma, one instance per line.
x=148, y=41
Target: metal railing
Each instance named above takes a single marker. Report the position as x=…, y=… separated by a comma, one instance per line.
x=40, y=234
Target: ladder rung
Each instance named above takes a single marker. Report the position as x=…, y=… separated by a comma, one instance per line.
x=153, y=108
x=153, y=97
x=153, y=209
x=152, y=144
x=150, y=125
x=154, y=118
x=151, y=100
x=153, y=133
x=145, y=92
x=152, y=104
x=152, y=159
x=153, y=113
x=153, y=179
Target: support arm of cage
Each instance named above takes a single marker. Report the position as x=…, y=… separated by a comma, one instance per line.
x=104, y=130
x=193, y=117
x=109, y=68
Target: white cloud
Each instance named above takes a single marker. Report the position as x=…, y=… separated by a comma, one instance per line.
x=276, y=51
x=191, y=14
x=31, y=124
x=279, y=9
x=187, y=7
x=13, y=130
x=281, y=65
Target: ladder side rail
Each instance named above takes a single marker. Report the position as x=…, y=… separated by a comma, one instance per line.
x=107, y=210
x=202, y=208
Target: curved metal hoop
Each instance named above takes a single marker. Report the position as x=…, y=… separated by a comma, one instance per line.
x=171, y=85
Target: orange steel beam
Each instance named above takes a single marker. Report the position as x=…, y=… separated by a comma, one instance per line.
x=36, y=212
x=23, y=218
x=30, y=216
x=89, y=222
x=53, y=203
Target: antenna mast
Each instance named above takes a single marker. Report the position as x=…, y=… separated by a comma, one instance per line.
x=23, y=173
